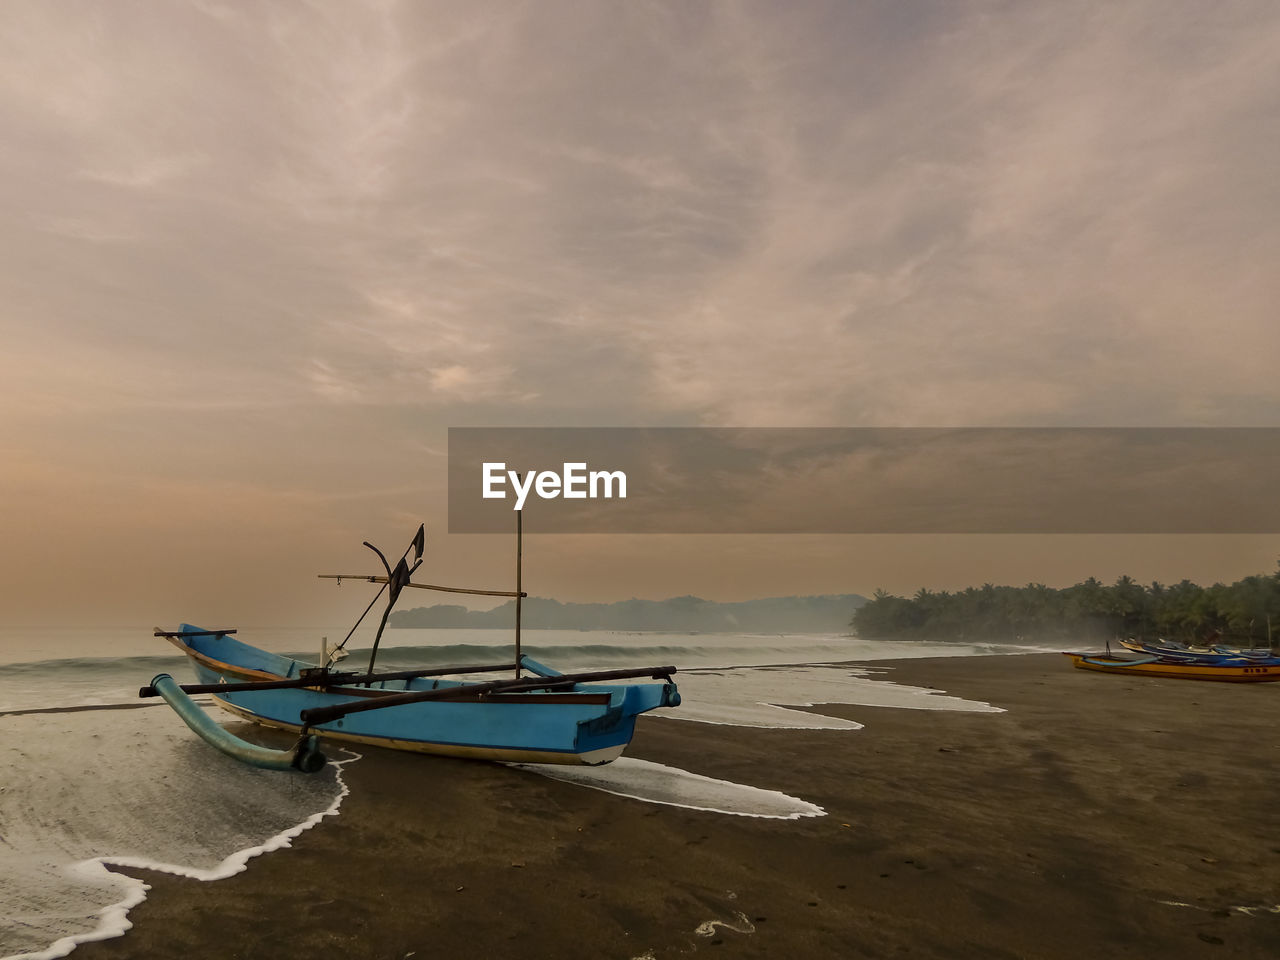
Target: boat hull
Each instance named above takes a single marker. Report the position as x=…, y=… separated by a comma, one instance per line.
x=440, y=748
x=1102, y=663
x=587, y=724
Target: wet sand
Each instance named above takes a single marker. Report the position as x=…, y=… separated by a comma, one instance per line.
x=1054, y=830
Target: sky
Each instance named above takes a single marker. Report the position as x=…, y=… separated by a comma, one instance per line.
x=256, y=258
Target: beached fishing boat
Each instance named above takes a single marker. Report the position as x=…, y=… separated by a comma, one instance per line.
x=1236, y=672
x=1170, y=651
x=537, y=715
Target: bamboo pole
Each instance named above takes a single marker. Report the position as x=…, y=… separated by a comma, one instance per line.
x=329, y=681
x=417, y=586
x=519, y=591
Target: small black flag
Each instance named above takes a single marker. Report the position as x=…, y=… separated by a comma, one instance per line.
x=419, y=541
x=399, y=578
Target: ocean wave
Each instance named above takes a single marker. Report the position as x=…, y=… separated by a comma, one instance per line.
x=100, y=790
x=91, y=664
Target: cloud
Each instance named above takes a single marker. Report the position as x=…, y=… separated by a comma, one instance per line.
x=736, y=214
x=1023, y=212
x=147, y=171
x=722, y=213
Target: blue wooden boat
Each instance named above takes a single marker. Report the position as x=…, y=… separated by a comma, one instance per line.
x=539, y=715
x=547, y=718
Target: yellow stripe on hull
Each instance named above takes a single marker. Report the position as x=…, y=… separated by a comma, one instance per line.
x=590, y=758
x=1183, y=671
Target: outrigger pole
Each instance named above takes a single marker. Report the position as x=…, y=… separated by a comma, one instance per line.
x=418, y=586
x=560, y=681
x=321, y=679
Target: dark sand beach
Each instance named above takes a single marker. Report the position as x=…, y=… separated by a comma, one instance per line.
x=1060, y=829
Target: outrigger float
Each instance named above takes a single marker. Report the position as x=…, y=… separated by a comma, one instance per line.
x=539, y=715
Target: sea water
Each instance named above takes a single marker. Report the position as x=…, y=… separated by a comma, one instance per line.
x=88, y=777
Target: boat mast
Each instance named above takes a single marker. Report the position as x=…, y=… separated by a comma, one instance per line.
x=519, y=592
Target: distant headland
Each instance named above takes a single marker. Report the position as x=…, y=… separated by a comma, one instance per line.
x=821, y=614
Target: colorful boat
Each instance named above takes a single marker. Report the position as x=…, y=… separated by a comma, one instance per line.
x=1166, y=646
x=539, y=715
x=1172, y=652
x=1235, y=672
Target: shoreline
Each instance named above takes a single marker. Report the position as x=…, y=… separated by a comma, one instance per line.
x=1066, y=827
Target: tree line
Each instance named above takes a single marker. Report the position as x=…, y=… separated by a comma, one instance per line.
x=1244, y=612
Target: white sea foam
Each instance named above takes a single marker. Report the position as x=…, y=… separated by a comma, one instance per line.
x=739, y=925
x=129, y=788
x=752, y=697
x=1246, y=911
x=760, y=696
x=659, y=783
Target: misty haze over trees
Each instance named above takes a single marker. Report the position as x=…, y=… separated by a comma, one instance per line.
x=823, y=614
x=1245, y=612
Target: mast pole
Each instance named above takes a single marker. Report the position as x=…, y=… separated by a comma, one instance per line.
x=519, y=592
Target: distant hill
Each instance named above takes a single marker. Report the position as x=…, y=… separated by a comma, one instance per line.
x=825, y=614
